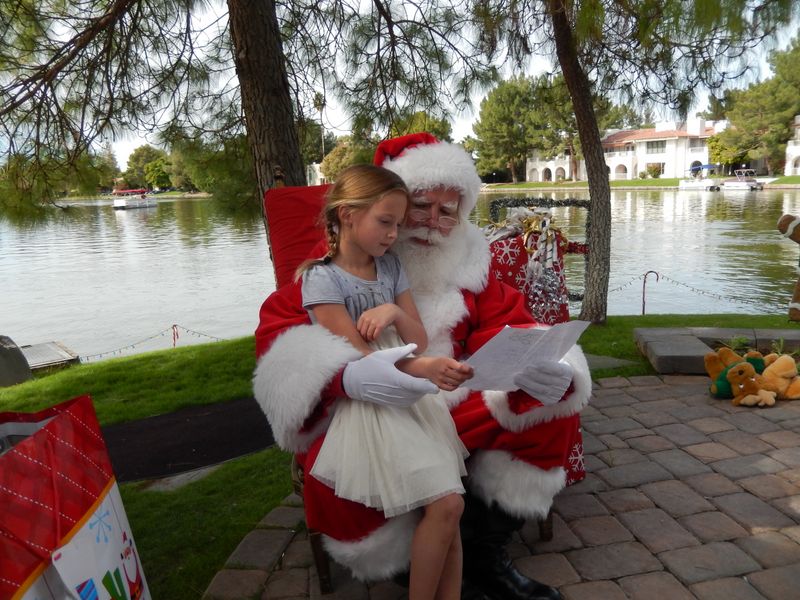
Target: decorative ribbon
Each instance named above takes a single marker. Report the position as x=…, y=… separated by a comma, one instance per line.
x=540, y=241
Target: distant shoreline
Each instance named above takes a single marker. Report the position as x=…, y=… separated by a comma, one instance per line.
x=166, y=195
x=504, y=188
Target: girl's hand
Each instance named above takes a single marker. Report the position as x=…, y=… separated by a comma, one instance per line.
x=447, y=373
x=372, y=322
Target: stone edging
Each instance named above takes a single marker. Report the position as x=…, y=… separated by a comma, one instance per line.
x=681, y=349
x=269, y=545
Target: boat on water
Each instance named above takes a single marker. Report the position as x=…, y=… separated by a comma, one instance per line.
x=745, y=180
x=700, y=178
x=126, y=199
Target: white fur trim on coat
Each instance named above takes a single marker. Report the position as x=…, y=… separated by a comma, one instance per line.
x=291, y=375
x=497, y=402
x=441, y=164
x=519, y=488
x=382, y=554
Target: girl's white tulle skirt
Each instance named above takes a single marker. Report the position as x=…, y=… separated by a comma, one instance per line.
x=392, y=459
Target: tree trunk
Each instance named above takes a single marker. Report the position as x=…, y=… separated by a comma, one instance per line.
x=266, y=97
x=598, y=222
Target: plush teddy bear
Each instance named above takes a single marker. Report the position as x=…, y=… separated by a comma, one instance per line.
x=717, y=365
x=780, y=376
x=746, y=386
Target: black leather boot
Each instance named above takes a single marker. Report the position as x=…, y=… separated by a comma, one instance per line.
x=485, y=532
x=470, y=592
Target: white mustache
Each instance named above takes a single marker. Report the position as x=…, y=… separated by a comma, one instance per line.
x=432, y=236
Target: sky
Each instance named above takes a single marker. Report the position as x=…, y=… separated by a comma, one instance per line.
x=336, y=121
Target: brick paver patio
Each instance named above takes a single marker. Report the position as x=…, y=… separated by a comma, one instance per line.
x=686, y=496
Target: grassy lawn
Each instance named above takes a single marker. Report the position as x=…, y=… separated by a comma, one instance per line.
x=615, y=183
x=666, y=182
x=147, y=384
x=184, y=536
x=787, y=180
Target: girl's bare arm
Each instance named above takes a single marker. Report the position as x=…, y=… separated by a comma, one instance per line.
x=409, y=324
x=336, y=319
x=445, y=372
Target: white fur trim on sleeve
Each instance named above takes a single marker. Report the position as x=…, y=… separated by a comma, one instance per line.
x=382, y=554
x=519, y=488
x=497, y=402
x=289, y=378
x=456, y=397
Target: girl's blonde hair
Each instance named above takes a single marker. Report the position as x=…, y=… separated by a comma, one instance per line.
x=357, y=188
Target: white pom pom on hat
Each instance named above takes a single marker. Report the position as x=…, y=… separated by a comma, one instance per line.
x=425, y=162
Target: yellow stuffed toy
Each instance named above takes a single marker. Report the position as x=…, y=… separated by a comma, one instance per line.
x=738, y=377
x=775, y=374
x=746, y=386
x=718, y=363
x=780, y=376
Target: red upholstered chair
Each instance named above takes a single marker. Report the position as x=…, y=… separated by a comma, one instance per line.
x=291, y=215
x=292, y=218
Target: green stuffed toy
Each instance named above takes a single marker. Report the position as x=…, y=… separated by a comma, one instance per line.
x=719, y=363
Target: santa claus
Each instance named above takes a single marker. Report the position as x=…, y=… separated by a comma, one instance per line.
x=520, y=442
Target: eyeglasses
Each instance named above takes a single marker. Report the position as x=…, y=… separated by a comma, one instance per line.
x=421, y=215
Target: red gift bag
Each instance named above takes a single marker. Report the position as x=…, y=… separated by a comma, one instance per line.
x=63, y=529
x=528, y=254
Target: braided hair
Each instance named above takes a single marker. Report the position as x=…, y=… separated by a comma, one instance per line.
x=357, y=187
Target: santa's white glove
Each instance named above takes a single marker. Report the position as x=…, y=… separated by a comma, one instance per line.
x=546, y=381
x=375, y=378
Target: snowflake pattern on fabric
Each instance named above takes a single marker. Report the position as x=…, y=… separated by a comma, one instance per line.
x=576, y=468
x=99, y=521
x=539, y=276
x=520, y=281
x=505, y=252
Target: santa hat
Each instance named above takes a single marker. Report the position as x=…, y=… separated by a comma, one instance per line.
x=424, y=162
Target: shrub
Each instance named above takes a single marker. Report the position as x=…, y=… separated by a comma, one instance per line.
x=654, y=171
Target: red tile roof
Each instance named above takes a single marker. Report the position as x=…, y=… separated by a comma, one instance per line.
x=635, y=135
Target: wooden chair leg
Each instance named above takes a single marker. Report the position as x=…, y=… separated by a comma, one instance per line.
x=320, y=561
x=546, y=527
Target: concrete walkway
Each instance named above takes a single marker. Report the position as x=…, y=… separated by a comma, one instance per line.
x=685, y=497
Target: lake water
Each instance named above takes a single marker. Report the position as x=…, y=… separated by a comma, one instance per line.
x=107, y=282
x=715, y=252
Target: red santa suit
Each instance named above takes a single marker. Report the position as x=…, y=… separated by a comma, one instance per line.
x=520, y=449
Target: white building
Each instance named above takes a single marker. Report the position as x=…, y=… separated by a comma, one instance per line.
x=793, y=151
x=672, y=147
x=314, y=174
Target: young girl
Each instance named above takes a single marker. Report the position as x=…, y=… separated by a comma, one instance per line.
x=390, y=458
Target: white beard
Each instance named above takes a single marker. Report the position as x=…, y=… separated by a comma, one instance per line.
x=439, y=272
x=427, y=265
